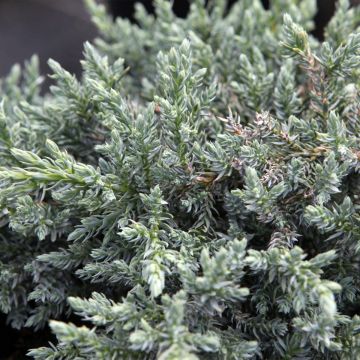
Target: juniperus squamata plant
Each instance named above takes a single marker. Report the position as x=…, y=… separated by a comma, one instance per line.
x=195, y=195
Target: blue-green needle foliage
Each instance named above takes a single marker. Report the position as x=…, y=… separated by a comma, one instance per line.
x=195, y=194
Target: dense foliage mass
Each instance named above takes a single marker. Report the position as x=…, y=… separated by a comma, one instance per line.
x=198, y=199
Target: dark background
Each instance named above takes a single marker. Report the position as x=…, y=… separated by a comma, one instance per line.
x=57, y=29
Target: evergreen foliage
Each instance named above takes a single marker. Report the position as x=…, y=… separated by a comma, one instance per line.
x=195, y=195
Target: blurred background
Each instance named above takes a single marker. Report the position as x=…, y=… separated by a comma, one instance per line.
x=57, y=29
